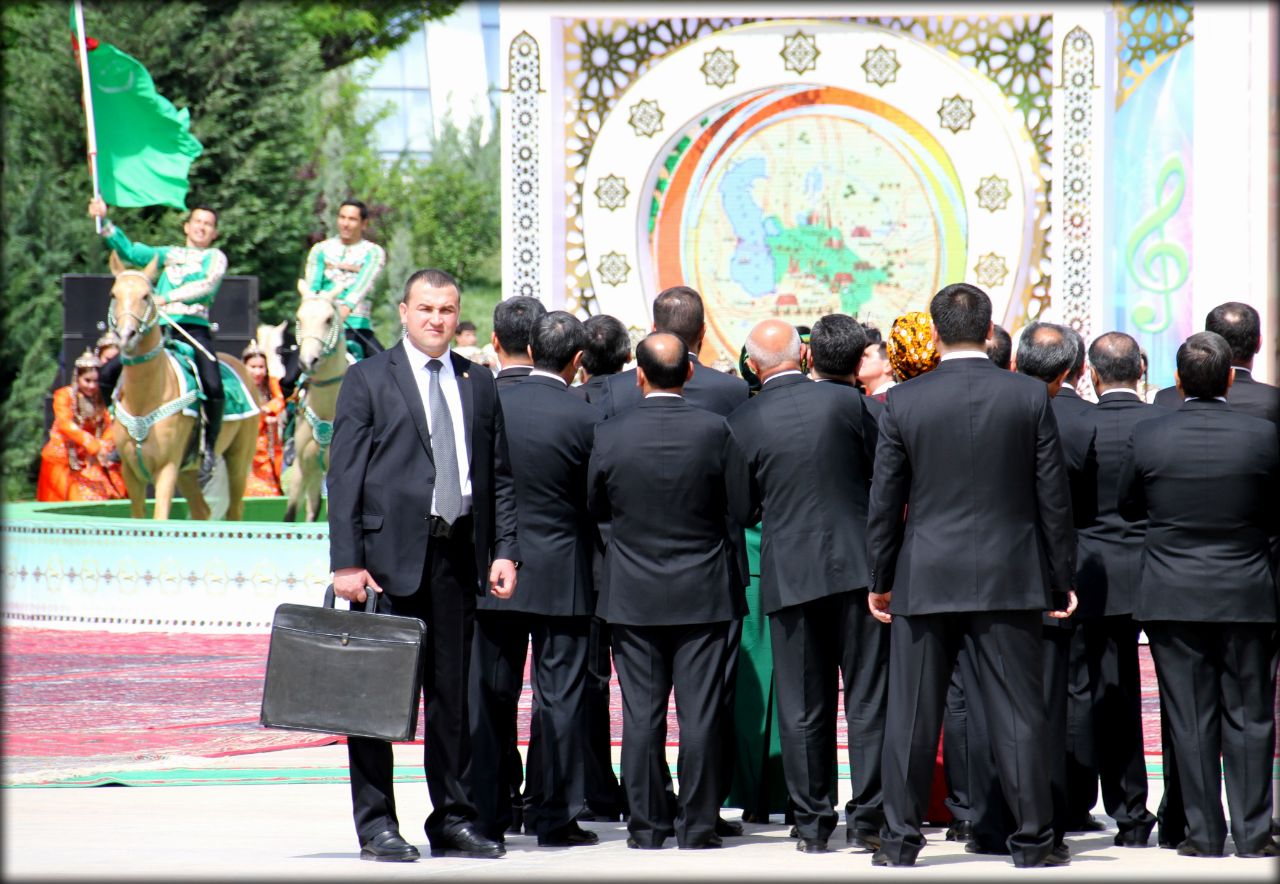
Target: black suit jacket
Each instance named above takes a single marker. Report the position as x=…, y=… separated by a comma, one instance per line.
x=512, y=375
x=666, y=473
x=973, y=451
x=593, y=390
x=549, y=434
x=1207, y=479
x=1076, y=433
x=710, y=389
x=1109, y=557
x=381, y=473
x=809, y=450
x=1245, y=394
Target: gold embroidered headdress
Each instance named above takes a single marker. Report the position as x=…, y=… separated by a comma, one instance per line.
x=910, y=345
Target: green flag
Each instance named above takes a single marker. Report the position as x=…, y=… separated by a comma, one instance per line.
x=145, y=145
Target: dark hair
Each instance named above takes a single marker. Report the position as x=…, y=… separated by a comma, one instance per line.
x=203, y=207
x=555, y=339
x=1117, y=358
x=1045, y=351
x=1000, y=347
x=436, y=279
x=1239, y=326
x=513, y=321
x=1204, y=365
x=872, y=333
x=836, y=345
x=667, y=373
x=961, y=314
x=678, y=311
x=364, y=210
x=1077, y=364
x=466, y=325
x=608, y=345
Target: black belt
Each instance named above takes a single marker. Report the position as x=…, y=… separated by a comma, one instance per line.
x=438, y=527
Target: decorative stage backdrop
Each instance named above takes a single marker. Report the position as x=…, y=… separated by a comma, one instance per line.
x=858, y=161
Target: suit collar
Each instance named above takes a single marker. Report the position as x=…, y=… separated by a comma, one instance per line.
x=662, y=402
x=1069, y=392
x=515, y=371
x=787, y=380
x=544, y=381
x=1202, y=405
x=1125, y=397
x=969, y=364
x=402, y=372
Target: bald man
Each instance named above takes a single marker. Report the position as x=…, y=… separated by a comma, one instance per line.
x=809, y=449
x=665, y=473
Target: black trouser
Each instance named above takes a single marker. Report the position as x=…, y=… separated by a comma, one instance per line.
x=108, y=377
x=210, y=377
x=1115, y=682
x=812, y=643
x=1081, y=757
x=1006, y=650
x=651, y=660
x=1219, y=683
x=446, y=602
x=602, y=792
x=955, y=747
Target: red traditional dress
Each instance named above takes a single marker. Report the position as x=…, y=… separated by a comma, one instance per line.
x=69, y=467
x=264, y=479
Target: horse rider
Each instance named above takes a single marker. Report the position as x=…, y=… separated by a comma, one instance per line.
x=190, y=276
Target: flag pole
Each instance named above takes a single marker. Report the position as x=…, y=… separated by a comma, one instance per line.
x=88, y=106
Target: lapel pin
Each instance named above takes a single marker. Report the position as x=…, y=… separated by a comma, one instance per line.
x=466, y=374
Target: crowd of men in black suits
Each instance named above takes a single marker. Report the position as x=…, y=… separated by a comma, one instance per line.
x=984, y=546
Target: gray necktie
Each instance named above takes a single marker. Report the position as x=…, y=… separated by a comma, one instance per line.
x=443, y=450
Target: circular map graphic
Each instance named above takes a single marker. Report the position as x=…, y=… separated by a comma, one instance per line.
x=801, y=201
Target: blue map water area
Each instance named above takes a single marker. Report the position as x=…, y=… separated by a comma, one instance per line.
x=752, y=265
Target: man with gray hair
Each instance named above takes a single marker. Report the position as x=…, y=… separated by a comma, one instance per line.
x=809, y=449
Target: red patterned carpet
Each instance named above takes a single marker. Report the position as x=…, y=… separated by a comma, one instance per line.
x=77, y=701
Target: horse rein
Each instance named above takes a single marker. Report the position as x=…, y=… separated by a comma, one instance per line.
x=146, y=322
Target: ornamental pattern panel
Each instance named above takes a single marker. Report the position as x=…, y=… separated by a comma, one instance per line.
x=1078, y=85
x=603, y=57
x=1149, y=34
x=524, y=83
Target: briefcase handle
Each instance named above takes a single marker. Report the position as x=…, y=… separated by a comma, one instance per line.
x=369, y=602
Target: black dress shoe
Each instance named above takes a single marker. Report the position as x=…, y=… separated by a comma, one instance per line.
x=1089, y=824
x=1186, y=848
x=1133, y=839
x=880, y=858
x=1268, y=849
x=960, y=831
x=636, y=845
x=728, y=828
x=864, y=841
x=794, y=833
x=469, y=843
x=710, y=843
x=517, y=821
x=811, y=845
x=1059, y=856
x=571, y=835
x=388, y=847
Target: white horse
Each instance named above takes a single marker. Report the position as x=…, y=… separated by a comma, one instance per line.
x=322, y=354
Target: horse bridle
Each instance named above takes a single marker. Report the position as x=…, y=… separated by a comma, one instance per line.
x=329, y=343
x=146, y=322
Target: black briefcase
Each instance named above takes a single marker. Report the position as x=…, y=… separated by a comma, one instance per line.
x=343, y=672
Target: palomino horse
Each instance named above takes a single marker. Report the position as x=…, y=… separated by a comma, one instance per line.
x=322, y=354
x=151, y=432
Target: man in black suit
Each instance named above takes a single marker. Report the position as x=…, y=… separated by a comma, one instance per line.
x=1241, y=327
x=1108, y=564
x=513, y=321
x=1054, y=354
x=678, y=311
x=986, y=547
x=837, y=347
x=1000, y=347
x=1207, y=479
x=549, y=433
x=666, y=473
x=607, y=350
x=809, y=449
x=424, y=546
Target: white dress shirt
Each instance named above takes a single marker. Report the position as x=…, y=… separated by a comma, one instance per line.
x=453, y=399
x=963, y=354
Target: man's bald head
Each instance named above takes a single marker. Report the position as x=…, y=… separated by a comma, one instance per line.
x=1116, y=360
x=773, y=346
x=663, y=361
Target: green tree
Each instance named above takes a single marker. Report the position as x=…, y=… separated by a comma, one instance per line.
x=347, y=31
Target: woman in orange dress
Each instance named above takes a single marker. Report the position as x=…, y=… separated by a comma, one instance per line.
x=264, y=479
x=79, y=461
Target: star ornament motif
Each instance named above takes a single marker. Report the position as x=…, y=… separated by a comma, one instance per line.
x=800, y=52
x=990, y=270
x=646, y=117
x=613, y=269
x=881, y=66
x=956, y=113
x=611, y=192
x=993, y=193
x=718, y=67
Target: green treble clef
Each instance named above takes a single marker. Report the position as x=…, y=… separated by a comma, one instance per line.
x=1162, y=268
